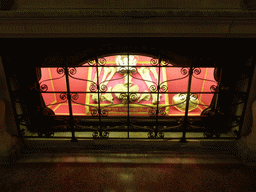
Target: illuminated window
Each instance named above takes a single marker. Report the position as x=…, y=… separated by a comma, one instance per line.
x=117, y=78
x=135, y=88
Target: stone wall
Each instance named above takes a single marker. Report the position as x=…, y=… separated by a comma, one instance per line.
x=5, y=97
x=246, y=146
x=9, y=143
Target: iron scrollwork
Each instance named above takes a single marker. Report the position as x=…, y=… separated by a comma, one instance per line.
x=43, y=87
x=153, y=88
x=74, y=96
x=131, y=96
x=184, y=71
x=133, y=71
x=64, y=96
x=154, y=61
x=213, y=88
x=72, y=71
x=166, y=62
x=163, y=88
x=104, y=112
x=197, y=71
x=95, y=112
x=103, y=135
x=153, y=135
x=103, y=88
x=93, y=87
x=60, y=70
x=97, y=62
x=102, y=61
x=154, y=112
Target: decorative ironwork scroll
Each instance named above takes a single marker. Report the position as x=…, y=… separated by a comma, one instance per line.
x=124, y=93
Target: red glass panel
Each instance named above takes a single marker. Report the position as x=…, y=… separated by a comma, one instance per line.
x=143, y=80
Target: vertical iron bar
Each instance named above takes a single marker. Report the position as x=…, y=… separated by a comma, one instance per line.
x=128, y=103
x=185, y=123
x=158, y=88
x=246, y=102
x=215, y=107
x=218, y=92
x=98, y=88
x=70, y=105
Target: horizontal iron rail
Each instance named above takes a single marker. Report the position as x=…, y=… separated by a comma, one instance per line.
x=233, y=92
x=130, y=66
x=165, y=138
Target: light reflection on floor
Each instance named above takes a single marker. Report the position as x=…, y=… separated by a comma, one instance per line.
x=142, y=135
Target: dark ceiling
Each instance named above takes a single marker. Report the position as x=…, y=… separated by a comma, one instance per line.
x=214, y=50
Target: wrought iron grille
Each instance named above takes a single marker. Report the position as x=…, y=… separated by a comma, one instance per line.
x=125, y=95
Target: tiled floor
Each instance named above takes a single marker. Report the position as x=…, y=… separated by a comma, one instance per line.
x=177, y=168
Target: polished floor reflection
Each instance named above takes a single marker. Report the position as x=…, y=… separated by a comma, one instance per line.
x=127, y=177
x=182, y=167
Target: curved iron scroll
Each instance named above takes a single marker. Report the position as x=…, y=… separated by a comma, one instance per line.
x=44, y=87
x=183, y=71
x=197, y=71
